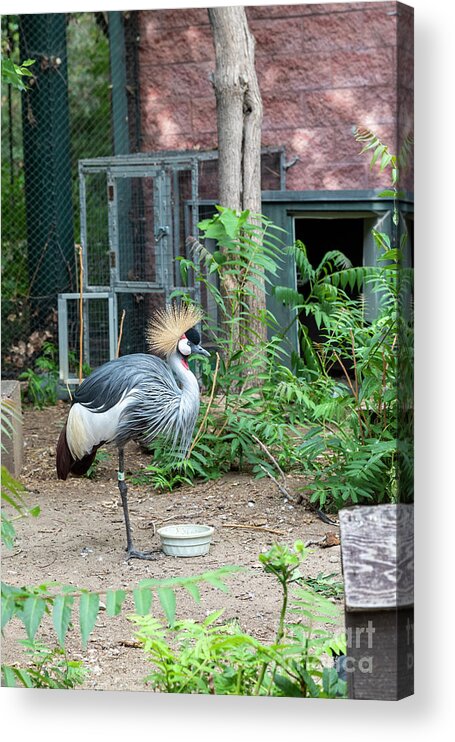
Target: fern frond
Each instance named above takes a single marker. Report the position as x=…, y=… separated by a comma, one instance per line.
x=299, y=253
x=333, y=258
x=353, y=277
x=198, y=250
x=288, y=296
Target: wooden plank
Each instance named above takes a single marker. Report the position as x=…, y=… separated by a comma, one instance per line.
x=377, y=548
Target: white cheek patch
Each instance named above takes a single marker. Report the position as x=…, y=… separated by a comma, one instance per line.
x=184, y=347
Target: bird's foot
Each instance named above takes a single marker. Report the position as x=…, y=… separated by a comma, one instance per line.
x=148, y=555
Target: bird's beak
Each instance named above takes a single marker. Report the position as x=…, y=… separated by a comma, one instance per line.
x=199, y=349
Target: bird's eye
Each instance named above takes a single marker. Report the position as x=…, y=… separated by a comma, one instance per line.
x=184, y=347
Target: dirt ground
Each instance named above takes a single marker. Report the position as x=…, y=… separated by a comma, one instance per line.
x=79, y=539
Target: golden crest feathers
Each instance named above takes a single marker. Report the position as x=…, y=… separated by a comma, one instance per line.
x=168, y=325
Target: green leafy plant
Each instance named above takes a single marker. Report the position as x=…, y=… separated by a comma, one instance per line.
x=12, y=491
x=13, y=495
x=31, y=604
x=42, y=381
x=323, y=299
x=13, y=74
x=65, y=604
x=48, y=667
x=167, y=475
x=349, y=449
x=356, y=446
x=241, y=409
x=327, y=584
x=219, y=658
x=101, y=456
x=337, y=415
x=308, y=418
x=73, y=363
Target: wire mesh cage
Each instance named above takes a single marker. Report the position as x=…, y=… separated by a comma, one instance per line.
x=95, y=338
x=63, y=115
x=73, y=174
x=132, y=242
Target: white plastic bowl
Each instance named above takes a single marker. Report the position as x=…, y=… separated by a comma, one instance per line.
x=185, y=540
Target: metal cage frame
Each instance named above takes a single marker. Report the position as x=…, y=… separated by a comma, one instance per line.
x=162, y=168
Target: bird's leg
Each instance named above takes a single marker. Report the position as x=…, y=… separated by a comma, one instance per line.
x=131, y=551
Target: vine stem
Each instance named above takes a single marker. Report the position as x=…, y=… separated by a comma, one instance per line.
x=279, y=636
x=260, y=349
x=356, y=397
x=355, y=364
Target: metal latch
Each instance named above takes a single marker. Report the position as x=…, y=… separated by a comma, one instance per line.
x=161, y=232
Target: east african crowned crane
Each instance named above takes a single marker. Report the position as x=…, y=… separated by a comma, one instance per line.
x=136, y=397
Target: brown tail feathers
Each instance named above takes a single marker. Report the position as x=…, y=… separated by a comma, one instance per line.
x=66, y=464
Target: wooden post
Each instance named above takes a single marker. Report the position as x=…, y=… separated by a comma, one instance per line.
x=377, y=559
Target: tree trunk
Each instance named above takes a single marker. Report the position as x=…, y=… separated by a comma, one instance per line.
x=239, y=120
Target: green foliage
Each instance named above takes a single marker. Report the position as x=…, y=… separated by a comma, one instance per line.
x=246, y=258
x=8, y=415
x=30, y=604
x=199, y=657
x=48, y=667
x=219, y=658
x=325, y=299
x=73, y=363
x=349, y=449
x=382, y=156
x=168, y=475
x=100, y=457
x=15, y=277
x=326, y=584
x=13, y=74
x=356, y=447
x=243, y=409
x=42, y=381
x=334, y=416
x=13, y=495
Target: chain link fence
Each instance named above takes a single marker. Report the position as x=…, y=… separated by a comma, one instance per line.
x=63, y=116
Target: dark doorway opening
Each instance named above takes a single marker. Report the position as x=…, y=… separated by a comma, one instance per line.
x=321, y=235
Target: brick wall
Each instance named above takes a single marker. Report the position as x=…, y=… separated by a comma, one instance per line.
x=322, y=70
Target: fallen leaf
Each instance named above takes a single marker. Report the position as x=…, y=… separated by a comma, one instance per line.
x=330, y=539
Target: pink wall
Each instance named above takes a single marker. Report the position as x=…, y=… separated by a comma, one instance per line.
x=322, y=69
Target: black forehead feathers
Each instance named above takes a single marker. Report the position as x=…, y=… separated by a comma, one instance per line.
x=193, y=336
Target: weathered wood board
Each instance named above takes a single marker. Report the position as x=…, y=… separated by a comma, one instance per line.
x=377, y=547
x=378, y=566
